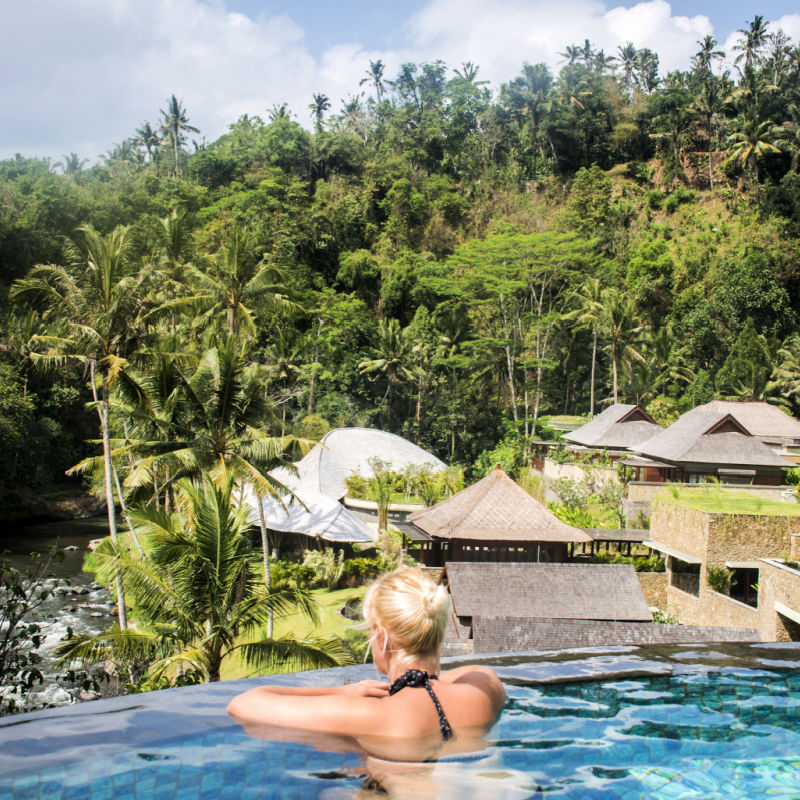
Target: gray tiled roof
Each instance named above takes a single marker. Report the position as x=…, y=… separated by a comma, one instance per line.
x=691, y=440
x=620, y=426
x=495, y=508
x=546, y=591
x=761, y=419
x=506, y=634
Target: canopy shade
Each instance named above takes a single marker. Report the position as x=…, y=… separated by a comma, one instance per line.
x=310, y=514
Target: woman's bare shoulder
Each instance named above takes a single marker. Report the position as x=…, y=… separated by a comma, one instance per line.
x=452, y=675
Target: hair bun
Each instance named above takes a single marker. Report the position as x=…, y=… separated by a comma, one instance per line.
x=435, y=599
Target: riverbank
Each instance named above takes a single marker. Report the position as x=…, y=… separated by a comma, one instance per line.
x=58, y=504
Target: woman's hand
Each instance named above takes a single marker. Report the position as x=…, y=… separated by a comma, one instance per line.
x=365, y=689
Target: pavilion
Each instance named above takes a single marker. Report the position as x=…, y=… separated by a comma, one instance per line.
x=495, y=519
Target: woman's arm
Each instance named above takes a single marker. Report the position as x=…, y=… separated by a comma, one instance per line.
x=360, y=689
x=352, y=709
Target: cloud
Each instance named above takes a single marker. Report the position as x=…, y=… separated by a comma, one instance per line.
x=95, y=70
x=499, y=38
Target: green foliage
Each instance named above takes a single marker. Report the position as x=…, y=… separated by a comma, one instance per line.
x=326, y=566
x=640, y=563
x=197, y=595
x=666, y=617
x=719, y=579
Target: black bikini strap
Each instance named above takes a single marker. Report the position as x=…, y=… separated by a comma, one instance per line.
x=416, y=678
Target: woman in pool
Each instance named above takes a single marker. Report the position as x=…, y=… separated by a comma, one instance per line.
x=406, y=614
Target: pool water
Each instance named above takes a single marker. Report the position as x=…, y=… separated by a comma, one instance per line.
x=651, y=729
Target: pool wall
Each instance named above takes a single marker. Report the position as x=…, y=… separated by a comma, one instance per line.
x=42, y=739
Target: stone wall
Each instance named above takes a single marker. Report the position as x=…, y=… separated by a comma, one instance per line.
x=654, y=588
x=680, y=527
x=717, y=539
x=712, y=608
x=778, y=583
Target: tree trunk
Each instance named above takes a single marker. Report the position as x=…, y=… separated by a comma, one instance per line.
x=126, y=515
x=107, y=469
x=313, y=371
x=614, y=367
x=262, y=525
x=594, y=365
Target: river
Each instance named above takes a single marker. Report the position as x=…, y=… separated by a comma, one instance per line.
x=83, y=606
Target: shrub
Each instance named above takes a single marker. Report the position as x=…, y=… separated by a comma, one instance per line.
x=358, y=571
x=655, y=198
x=719, y=579
x=327, y=568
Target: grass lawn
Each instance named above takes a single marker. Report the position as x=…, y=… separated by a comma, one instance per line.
x=719, y=501
x=330, y=624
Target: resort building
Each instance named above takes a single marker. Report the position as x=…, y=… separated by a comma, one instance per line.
x=710, y=443
x=493, y=520
x=516, y=607
x=730, y=560
x=617, y=431
x=772, y=425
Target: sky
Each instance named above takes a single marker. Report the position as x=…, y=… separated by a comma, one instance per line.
x=81, y=75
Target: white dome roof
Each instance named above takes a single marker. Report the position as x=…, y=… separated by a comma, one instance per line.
x=343, y=451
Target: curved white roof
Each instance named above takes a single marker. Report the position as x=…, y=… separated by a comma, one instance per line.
x=343, y=451
x=311, y=514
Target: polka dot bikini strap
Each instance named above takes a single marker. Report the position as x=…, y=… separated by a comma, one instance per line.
x=416, y=678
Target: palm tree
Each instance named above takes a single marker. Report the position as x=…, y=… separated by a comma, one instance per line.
x=587, y=53
x=588, y=314
x=752, y=42
x=97, y=307
x=469, y=72
x=198, y=595
x=320, y=104
x=175, y=124
x=72, y=165
x=393, y=351
x=571, y=54
x=216, y=423
x=279, y=112
x=622, y=328
x=147, y=138
x=708, y=105
x=235, y=283
x=627, y=63
x=704, y=58
x=374, y=76
x=750, y=144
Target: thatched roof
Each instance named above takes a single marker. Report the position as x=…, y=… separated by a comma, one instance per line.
x=509, y=634
x=344, y=451
x=621, y=426
x=763, y=420
x=703, y=436
x=495, y=508
x=546, y=591
x=310, y=514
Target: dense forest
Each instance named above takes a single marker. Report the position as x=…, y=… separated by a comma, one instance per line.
x=441, y=258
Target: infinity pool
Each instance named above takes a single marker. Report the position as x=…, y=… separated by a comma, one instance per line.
x=668, y=722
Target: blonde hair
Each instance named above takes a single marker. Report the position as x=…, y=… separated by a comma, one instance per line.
x=413, y=610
